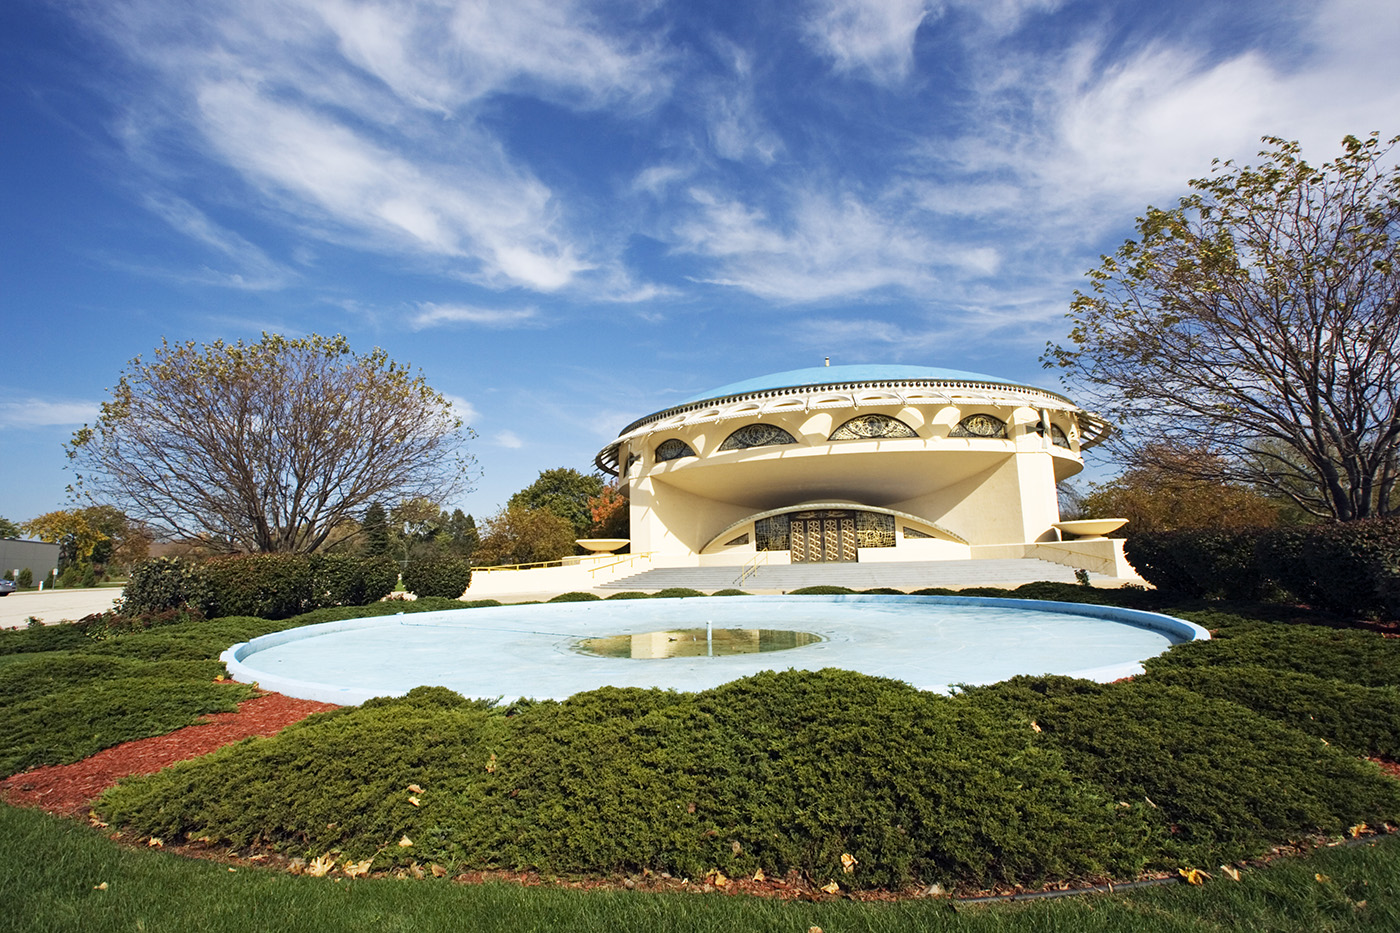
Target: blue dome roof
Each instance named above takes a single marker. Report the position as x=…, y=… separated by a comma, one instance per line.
x=826, y=375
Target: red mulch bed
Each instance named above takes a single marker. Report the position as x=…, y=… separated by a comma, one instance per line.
x=68, y=790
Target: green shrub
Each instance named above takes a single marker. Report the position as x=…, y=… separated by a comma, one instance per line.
x=991, y=592
x=1214, y=770
x=729, y=592
x=26, y=579
x=1348, y=655
x=1362, y=720
x=1157, y=560
x=575, y=597
x=1067, y=593
x=934, y=591
x=630, y=594
x=882, y=591
x=343, y=580
x=677, y=592
x=442, y=576
x=1356, y=567
x=161, y=584
x=269, y=586
x=1281, y=552
x=823, y=590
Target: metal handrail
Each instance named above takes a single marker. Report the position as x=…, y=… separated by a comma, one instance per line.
x=626, y=558
x=749, y=571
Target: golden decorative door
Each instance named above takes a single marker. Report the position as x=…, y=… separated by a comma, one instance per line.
x=822, y=537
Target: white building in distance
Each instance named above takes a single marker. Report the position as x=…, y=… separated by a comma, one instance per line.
x=851, y=463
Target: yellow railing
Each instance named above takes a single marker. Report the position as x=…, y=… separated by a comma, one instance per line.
x=751, y=568
x=531, y=566
x=624, y=559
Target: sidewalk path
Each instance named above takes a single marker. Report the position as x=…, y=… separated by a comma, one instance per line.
x=55, y=605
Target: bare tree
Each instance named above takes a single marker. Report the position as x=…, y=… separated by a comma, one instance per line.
x=268, y=446
x=1258, y=322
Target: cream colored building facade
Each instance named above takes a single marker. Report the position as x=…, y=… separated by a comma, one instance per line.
x=851, y=463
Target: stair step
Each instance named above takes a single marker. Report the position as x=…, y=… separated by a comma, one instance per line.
x=908, y=575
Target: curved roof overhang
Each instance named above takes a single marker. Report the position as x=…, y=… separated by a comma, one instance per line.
x=835, y=504
x=854, y=395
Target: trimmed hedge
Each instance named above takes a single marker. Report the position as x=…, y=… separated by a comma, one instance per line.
x=447, y=577
x=269, y=586
x=1351, y=568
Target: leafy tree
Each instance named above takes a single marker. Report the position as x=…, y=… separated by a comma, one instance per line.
x=1156, y=498
x=608, y=514
x=462, y=536
x=565, y=492
x=92, y=537
x=518, y=535
x=1259, y=321
x=268, y=447
x=8, y=529
x=375, y=529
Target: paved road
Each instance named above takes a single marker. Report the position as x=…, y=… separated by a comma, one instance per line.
x=54, y=605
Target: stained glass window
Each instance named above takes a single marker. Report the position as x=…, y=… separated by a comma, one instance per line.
x=915, y=533
x=874, y=529
x=771, y=534
x=979, y=426
x=757, y=435
x=673, y=449
x=742, y=539
x=866, y=426
x=1057, y=436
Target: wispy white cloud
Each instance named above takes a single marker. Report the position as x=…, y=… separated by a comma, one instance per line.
x=360, y=122
x=462, y=408
x=34, y=412
x=437, y=315
x=826, y=246
x=508, y=439
x=737, y=130
x=251, y=268
x=873, y=38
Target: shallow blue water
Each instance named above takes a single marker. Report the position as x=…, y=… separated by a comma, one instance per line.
x=512, y=651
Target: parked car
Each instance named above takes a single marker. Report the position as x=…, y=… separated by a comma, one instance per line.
x=7, y=587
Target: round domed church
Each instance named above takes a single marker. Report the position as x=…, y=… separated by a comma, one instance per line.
x=851, y=463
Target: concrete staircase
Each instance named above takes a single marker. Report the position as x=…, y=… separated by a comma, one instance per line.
x=912, y=575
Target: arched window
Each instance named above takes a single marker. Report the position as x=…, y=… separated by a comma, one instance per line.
x=757, y=435
x=868, y=426
x=673, y=449
x=980, y=426
x=1058, y=437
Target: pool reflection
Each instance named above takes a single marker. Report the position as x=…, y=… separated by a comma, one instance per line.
x=695, y=643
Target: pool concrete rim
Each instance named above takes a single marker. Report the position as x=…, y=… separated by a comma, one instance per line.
x=1175, y=629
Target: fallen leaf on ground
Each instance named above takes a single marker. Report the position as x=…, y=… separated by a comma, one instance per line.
x=848, y=862
x=831, y=887
x=1193, y=875
x=356, y=869
x=405, y=842
x=320, y=867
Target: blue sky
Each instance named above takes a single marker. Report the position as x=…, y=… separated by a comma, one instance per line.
x=568, y=214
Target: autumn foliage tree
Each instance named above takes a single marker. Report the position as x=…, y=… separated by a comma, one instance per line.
x=269, y=446
x=607, y=513
x=1258, y=322
x=1154, y=498
x=519, y=535
x=96, y=536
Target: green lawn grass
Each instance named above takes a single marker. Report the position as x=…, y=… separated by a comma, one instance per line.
x=50, y=870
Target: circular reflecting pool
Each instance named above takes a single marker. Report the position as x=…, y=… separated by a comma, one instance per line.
x=556, y=650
